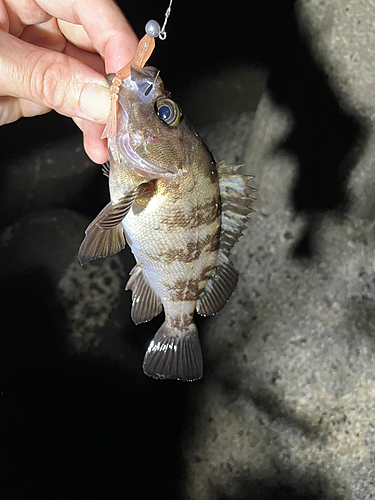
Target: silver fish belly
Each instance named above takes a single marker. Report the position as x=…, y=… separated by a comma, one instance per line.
x=181, y=215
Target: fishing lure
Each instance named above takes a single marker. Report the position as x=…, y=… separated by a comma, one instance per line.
x=143, y=53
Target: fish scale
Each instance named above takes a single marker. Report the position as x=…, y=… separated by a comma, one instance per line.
x=162, y=248
x=180, y=213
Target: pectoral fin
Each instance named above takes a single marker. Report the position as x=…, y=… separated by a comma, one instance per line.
x=105, y=235
x=146, y=304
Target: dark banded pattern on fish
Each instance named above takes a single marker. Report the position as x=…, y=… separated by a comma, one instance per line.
x=180, y=213
x=190, y=252
x=203, y=214
x=186, y=290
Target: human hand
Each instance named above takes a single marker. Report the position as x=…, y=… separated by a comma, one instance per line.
x=51, y=57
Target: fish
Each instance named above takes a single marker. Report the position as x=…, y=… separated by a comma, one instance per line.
x=179, y=211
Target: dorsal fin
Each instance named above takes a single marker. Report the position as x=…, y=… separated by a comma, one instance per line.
x=146, y=304
x=236, y=204
x=235, y=207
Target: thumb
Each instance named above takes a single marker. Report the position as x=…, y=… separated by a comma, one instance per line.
x=52, y=79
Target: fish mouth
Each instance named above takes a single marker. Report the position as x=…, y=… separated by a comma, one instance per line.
x=141, y=165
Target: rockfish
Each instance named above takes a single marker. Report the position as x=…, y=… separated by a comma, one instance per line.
x=179, y=212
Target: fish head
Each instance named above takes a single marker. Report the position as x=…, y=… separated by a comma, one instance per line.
x=151, y=128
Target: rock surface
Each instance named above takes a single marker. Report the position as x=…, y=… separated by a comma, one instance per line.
x=286, y=408
x=287, y=402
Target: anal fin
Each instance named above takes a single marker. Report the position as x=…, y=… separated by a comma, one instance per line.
x=105, y=235
x=219, y=287
x=146, y=304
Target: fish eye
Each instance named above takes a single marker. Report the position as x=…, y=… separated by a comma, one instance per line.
x=168, y=111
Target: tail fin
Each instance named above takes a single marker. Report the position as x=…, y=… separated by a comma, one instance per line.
x=174, y=354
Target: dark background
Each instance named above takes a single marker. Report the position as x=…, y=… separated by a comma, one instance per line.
x=92, y=424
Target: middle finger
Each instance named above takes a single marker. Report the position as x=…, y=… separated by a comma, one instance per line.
x=76, y=34
x=47, y=35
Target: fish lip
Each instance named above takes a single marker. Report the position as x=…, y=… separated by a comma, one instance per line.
x=139, y=164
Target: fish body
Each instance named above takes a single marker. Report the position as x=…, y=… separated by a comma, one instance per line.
x=179, y=212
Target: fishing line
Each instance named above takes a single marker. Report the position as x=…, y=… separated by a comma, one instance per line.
x=153, y=27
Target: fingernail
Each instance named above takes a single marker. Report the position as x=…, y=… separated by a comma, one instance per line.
x=94, y=102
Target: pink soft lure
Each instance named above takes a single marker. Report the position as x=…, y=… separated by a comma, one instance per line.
x=141, y=56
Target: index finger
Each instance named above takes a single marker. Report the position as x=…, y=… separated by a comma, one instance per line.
x=105, y=24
